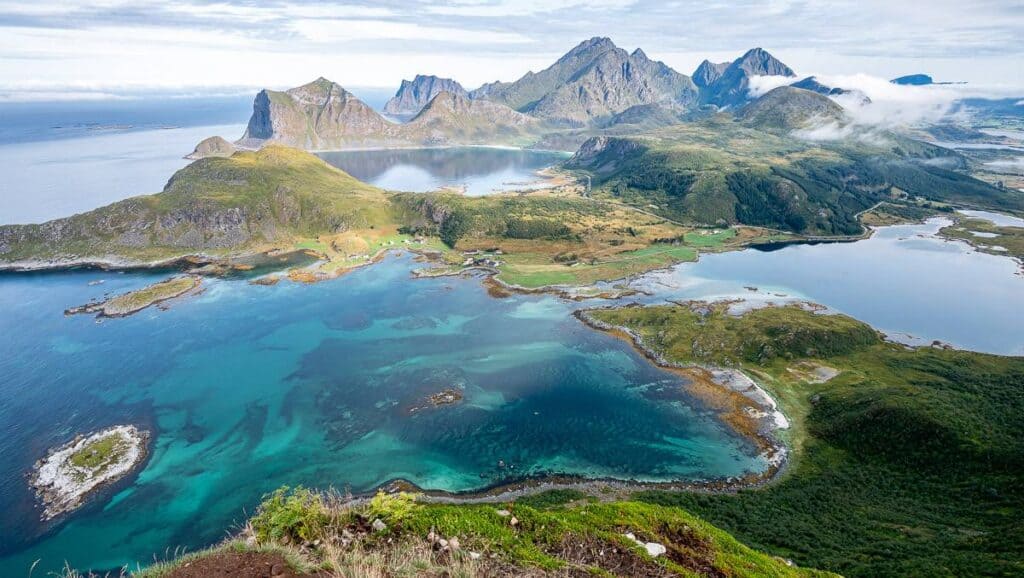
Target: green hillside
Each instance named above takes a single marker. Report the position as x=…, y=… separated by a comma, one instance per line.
x=719, y=171
x=907, y=461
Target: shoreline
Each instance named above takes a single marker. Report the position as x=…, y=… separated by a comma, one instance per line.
x=55, y=479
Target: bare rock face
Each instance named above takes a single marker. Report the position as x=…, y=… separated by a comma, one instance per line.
x=731, y=88
x=708, y=72
x=322, y=116
x=413, y=95
x=214, y=146
x=451, y=117
x=787, y=108
x=592, y=82
x=315, y=116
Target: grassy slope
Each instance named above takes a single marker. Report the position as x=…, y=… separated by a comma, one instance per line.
x=212, y=205
x=718, y=171
x=908, y=461
x=554, y=534
x=547, y=239
x=1009, y=238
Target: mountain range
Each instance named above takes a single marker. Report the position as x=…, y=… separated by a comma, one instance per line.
x=593, y=85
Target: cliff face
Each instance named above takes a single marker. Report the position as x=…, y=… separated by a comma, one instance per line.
x=593, y=82
x=322, y=115
x=731, y=88
x=318, y=115
x=413, y=95
x=212, y=205
x=708, y=72
x=451, y=117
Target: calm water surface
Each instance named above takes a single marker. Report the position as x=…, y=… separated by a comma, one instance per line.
x=475, y=170
x=904, y=281
x=249, y=387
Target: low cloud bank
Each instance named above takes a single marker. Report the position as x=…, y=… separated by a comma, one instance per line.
x=892, y=107
x=759, y=85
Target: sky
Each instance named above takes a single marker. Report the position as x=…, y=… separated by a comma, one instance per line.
x=94, y=49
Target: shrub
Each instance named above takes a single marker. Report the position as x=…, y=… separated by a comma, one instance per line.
x=393, y=508
x=294, y=513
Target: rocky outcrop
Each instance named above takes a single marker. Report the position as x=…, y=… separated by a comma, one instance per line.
x=593, y=82
x=413, y=95
x=455, y=118
x=213, y=146
x=324, y=116
x=732, y=87
x=316, y=116
x=603, y=154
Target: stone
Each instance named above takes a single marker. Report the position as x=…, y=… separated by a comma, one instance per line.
x=453, y=544
x=514, y=521
x=475, y=555
x=503, y=513
x=378, y=525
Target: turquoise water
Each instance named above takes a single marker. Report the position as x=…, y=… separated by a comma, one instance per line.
x=475, y=170
x=248, y=388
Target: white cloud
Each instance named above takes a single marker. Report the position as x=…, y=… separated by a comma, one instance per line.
x=334, y=30
x=759, y=85
x=509, y=8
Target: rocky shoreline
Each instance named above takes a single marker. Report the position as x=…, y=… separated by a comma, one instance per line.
x=71, y=473
x=132, y=302
x=748, y=408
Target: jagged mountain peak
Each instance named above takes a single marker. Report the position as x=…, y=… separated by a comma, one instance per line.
x=413, y=95
x=760, y=62
x=708, y=72
x=731, y=88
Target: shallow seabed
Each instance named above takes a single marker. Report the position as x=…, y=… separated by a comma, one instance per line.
x=250, y=387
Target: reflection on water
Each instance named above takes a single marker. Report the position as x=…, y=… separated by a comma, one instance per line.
x=903, y=280
x=478, y=170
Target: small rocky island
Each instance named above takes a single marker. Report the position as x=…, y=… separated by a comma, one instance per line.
x=70, y=473
x=134, y=301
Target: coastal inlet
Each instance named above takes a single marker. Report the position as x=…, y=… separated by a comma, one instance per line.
x=250, y=387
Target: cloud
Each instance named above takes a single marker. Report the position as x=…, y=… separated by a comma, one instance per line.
x=890, y=107
x=760, y=85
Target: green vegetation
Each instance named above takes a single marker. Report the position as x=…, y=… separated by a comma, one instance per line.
x=134, y=301
x=995, y=240
x=720, y=172
x=908, y=461
x=100, y=454
x=543, y=535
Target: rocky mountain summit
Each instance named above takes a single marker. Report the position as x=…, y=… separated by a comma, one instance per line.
x=413, y=95
x=322, y=115
x=318, y=115
x=732, y=87
x=592, y=82
x=708, y=72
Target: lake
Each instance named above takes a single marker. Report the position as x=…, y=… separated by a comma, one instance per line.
x=473, y=170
